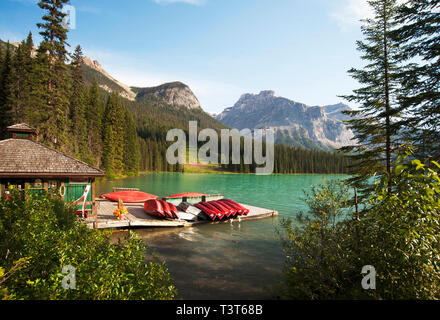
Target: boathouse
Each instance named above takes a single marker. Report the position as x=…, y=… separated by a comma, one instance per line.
x=26, y=163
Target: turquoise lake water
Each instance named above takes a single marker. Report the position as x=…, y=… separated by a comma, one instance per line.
x=242, y=260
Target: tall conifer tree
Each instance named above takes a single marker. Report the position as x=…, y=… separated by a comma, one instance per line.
x=94, y=115
x=20, y=84
x=376, y=124
x=5, y=77
x=53, y=74
x=420, y=37
x=77, y=105
x=113, y=136
x=131, y=145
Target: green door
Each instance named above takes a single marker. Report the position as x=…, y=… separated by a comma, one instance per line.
x=75, y=191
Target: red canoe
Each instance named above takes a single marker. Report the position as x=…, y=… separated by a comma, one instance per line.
x=220, y=206
x=154, y=208
x=186, y=194
x=129, y=196
x=174, y=210
x=242, y=210
x=230, y=207
x=211, y=214
x=219, y=213
x=166, y=209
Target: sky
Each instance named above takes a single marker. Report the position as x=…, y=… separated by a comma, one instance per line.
x=221, y=49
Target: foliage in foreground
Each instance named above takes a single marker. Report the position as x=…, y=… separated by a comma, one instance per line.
x=398, y=234
x=39, y=236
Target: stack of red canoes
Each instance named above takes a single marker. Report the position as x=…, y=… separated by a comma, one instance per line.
x=161, y=209
x=220, y=209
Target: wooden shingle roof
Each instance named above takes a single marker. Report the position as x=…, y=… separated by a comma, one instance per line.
x=26, y=158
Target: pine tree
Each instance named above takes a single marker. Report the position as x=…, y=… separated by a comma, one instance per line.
x=77, y=105
x=94, y=114
x=113, y=136
x=20, y=84
x=376, y=124
x=54, y=99
x=420, y=37
x=5, y=77
x=131, y=146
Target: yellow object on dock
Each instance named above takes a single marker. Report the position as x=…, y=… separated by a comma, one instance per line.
x=138, y=218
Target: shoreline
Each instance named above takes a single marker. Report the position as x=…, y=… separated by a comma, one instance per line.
x=122, y=177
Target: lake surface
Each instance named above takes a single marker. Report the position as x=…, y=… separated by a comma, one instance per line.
x=224, y=261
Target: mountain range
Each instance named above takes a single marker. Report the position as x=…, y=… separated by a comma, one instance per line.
x=294, y=123
x=173, y=93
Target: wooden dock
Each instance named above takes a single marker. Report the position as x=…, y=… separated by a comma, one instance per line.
x=137, y=218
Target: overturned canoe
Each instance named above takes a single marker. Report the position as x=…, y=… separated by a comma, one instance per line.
x=186, y=194
x=241, y=210
x=129, y=196
x=192, y=197
x=173, y=210
x=167, y=209
x=223, y=208
x=154, y=208
x=210, y=213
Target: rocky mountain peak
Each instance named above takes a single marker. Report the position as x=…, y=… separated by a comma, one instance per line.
x=267, y=94
x=295, y=123
x=125, y=91
x=174, y=93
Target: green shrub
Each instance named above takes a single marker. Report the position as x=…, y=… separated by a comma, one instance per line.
x=398, y=234
x=40, y=228
x=401, y=233
x=317, y=245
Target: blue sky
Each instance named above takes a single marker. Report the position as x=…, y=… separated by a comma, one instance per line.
x=301, y=49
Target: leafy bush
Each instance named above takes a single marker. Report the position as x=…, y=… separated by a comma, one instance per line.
x=317, y=246
x=39, y=228
x=398, y=234
x=401, y=233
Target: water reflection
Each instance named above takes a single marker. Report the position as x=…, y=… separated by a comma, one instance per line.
x=222, y=261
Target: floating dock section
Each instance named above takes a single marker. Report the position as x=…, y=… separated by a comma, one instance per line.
x=138, y=218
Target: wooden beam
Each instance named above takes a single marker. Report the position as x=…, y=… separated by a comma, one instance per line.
x=94, y=210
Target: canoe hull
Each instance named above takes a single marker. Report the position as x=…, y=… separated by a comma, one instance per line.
x=191, y=198
x=154, y=208
x=129, y=196
x=209, y=213
x=241, y=210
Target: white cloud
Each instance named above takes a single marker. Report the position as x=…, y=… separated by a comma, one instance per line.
x=193, y=2
x=348, y=13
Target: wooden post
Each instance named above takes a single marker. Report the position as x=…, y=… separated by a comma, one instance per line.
x=94, y=209
x=3, y=189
